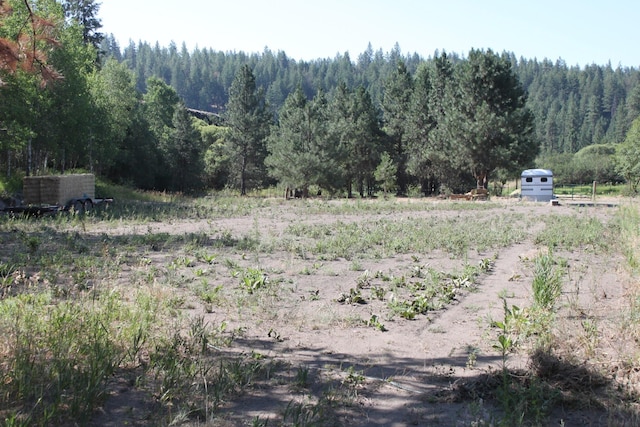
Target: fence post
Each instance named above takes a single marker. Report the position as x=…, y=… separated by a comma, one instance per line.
x=593, y=194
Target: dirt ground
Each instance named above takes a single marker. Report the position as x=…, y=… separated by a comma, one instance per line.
x=408, y=375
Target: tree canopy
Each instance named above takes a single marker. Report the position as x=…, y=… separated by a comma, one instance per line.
x=628, y=157
x=443, y=121
x=488, y=121
x=248, y=121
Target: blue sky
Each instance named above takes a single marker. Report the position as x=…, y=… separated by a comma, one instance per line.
x=580, y=32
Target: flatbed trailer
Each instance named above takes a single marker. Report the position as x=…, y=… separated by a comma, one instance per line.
x=51, y=194
x=80, y=205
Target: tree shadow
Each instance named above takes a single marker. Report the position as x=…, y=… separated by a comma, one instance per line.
x=410, y=391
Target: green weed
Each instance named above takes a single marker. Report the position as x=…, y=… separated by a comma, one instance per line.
x=302, y=377
x=374, y=322
x=301, y=414
x=253, y=279
x=547, y=281
x=61, y=355
x=573, y=232
x=354, y=296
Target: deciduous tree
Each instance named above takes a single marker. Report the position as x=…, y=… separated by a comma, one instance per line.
x=628, y=157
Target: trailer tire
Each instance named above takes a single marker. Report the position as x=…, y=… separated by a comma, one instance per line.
x=78, y=207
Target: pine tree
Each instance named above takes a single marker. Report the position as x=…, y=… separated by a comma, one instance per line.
x=356, y=131
x=248, y=121
x=428, y=141
x=301, y=154
x=184, y=152
x=489, y=121
x=395, y=106
x=85, y=13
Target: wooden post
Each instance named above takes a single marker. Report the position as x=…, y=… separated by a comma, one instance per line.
x=593, y=194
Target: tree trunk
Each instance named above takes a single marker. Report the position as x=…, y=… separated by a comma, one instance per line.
x=481, y=179
x=8, y=163
x=243, y=171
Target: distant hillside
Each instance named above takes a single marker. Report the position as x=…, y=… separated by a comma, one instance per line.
x=574, y=107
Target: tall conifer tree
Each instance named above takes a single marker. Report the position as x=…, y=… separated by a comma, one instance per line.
x=248, y=121
x=395, y=106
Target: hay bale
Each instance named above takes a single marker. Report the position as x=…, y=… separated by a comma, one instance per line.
x=58, y=189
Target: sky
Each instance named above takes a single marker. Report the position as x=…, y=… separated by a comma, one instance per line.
x=580, y=32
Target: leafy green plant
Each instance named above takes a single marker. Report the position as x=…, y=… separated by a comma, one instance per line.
x=374, y=322
x=403, y=309
x=207, y=258
x=378, y=292
x=506, y=340
x=209, y=294
x=353, y=297
x=253, y=279
x=364, y=280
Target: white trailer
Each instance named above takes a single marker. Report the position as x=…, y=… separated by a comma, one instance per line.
x=537, y=185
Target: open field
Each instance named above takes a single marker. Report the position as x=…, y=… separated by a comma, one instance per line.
x=229, y=311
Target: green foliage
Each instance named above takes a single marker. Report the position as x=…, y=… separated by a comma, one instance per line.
x=183, y=153
x=386, y=173
x=248, y=121
x=217, y=162
x=354, y=296
x=547, y=281
x=301, y=154
x=116, y=103
x=62, y=355
x=398, y=89
x=488, y=117
x=253, y=279
x=384, y=237
x=628, y=157
x=592, y=163
x=84, y=13
x=374, y=322
x=418, y=110
x=571, y=232
x=356, y=130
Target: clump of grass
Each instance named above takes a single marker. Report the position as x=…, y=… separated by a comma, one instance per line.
x=384, y=238
x=58, y=357
x=573, y=232
x=547, y=281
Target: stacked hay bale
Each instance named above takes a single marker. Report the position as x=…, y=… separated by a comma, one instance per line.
x=58, y=189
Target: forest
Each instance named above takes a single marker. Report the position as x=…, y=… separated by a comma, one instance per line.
x=166, y=118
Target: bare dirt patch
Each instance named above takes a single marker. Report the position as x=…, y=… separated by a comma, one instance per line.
x=437, y=368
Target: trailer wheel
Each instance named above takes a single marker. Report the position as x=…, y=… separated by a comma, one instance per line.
x=78, y=207
x=88, y=205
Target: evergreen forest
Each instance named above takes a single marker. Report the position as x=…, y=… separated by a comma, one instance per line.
x=167, y=118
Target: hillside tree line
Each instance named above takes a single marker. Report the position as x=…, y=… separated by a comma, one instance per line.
x=167, y=118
